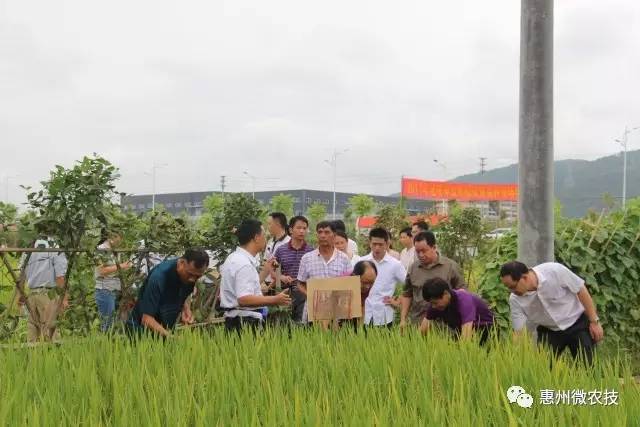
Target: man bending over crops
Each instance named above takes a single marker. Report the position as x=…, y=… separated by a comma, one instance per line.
x=463, y=312
x=165, y=293
x=240, y=292
x=430, y=264
x=557, y=302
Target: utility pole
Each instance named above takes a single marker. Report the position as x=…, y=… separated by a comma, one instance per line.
x=222, y=184
x=535, y=181
x=334, y=164
x=623, y=142
x=483, y=163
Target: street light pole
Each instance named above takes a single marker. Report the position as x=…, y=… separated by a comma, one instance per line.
x=6, y=186
x=334, y=164
x=623, y=142
x=253, y=184
x=153, y=181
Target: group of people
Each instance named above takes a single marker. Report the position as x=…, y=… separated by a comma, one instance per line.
x=263, y=273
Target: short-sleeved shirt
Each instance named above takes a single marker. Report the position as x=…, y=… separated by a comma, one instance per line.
x=110, y=282
x=289, y=258
x=464, y=307
x=444, y=268
x=240, y=278
x=408, y=257
x=554, y=305
x=162, y=296
x=43, y=268
x=314, y=266
x=390, y=273
x=272, y=246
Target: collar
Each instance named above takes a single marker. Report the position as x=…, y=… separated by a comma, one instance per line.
x=333, y=256
x=304, y=245
x=430, y=266
x=384, y=259
x=274, y=240
x=242, y=251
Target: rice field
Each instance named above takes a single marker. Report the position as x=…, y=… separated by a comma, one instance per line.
x=306, y=378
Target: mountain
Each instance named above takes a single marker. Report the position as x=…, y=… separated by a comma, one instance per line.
x=579, y=184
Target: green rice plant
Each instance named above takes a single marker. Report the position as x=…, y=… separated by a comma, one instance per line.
x=301, y=378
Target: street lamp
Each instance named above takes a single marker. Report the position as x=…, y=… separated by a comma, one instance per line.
x=6, y=186
x=623, y=142
x=444, y=168
x=333, y=162
x=154, y=168
x=253, y=184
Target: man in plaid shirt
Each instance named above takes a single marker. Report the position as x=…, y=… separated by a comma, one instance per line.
x=324, y=262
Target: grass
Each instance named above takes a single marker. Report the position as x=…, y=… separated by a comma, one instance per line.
x=309, y=378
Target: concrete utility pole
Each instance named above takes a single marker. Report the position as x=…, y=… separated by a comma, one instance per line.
x=222, y=184
x=623, y=142
x=6, y=186
x=334, y=164
x=535, y=192
x=253, y=184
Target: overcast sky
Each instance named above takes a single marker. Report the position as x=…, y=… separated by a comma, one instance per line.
x=214, y=88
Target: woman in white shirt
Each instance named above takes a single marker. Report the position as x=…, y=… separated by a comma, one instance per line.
x=341, y=242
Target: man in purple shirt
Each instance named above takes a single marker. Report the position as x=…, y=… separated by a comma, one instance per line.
x=463, y=312
x=289, y=256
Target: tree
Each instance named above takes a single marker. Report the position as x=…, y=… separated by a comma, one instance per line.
x=393, y=218
x=220, y=237
x=212, y=205
x=71, y=205
x=282, y=203
x=461, y=235
x=316, y=212
x=8, y=213
x=362, y=205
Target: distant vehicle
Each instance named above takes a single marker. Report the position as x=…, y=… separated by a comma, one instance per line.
x=497, y=233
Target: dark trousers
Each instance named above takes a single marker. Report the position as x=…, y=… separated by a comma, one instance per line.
x=577, y=338
x=239, y=324
x=297, y=304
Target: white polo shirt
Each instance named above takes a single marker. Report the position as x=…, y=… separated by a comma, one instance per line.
x=239, y=278
x=390, y=273
x=407, y=257
x=353, y=247
x=554, y=304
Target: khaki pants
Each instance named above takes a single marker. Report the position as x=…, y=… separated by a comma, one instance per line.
x=44, y=317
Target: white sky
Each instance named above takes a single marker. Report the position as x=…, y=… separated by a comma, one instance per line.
x=216, y=88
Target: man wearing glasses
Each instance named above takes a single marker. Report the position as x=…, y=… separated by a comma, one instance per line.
x=557, y=302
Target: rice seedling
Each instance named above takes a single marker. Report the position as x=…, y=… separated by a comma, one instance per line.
x=306, y=378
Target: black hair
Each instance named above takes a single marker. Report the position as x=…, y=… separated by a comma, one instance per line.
x=280, y=218
x=248, y=230
x=422, y=225
x=342, y=234
x=292, y=221
x=425, y=236
x=197, y=256
x=435, y=288
x=380, y=233
x=514, y=269
x=361, y=267
x=338, y=224
x=406, y=231
x=326, y=224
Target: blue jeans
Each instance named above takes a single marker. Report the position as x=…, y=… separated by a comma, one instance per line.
x=106, y=302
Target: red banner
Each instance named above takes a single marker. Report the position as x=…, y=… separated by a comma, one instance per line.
x=440, y=190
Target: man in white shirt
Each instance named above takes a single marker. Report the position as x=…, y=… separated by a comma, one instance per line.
x=277, y=226
x=240, y=294
x=557, y=302
x=408, y=254
x=322, y=263
x=378, y=310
